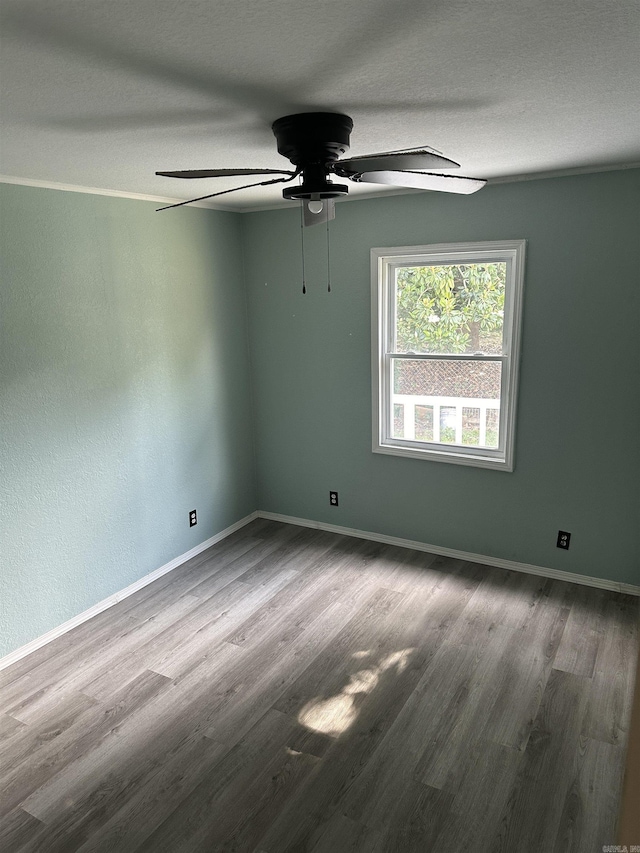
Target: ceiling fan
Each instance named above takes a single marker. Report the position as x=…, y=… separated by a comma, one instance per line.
x=314, y=144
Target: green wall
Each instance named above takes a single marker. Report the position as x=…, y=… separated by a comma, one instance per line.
x=124, y=396
x=126, y=389
x=577, y=463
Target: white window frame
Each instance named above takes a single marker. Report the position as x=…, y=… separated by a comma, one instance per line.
x=383, y=264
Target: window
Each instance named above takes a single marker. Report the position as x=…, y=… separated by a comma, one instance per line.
x=446, y=328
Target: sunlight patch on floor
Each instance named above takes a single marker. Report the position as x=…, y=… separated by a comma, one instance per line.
x=334, y=715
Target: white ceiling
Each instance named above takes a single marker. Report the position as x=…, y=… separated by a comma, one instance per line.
x=102, y=93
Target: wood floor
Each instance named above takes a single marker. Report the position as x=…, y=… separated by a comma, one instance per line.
x=294, y=690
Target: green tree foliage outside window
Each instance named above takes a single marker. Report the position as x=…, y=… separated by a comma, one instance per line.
x=452, y=308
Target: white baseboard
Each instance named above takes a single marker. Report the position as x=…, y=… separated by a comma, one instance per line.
x=585, y=580
x=543, y=571
x=25, y=650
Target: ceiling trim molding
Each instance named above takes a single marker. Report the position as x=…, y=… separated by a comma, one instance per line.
x=73, y=188
x=563, y=173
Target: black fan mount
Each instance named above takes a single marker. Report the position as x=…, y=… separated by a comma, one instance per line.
x=313, y=142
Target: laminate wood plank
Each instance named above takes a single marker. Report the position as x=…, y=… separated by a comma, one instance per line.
x=246, y=679
x=167, y=719
x=148, y=600
x=167, y=651
x=347, y=836
x=183, y=827
x=480, y=710
x=591, y=804
x=363, y=638
x=319, y=800
x=501, y=598
x=300, y=603
x=26, y=741
x=479, y=800
x=228, y=559
x=417, y=732
x=98, y=653
x=201, y=614
x=296, y=549
x=305, y=740
x=29, y=770
x=526, y=666
x=380, y=693
x=28, y=783
x=416, y=821
x=312, y=809
x=155, y=596
x=242, y=816
x=121, y=815
x=441, y=762
x=258, y=683
x=144, y=810
x=332, y=669
x=96, y=723
x=212, y=563
x=9, y=727
x=266, y=528
x=532, y=816
x=324, y=693
x=611, y=694
x=17, y=829
x=629, y=819
x=272, y=553
x=212, y=572
x=188, y=649
x=403, y=570
x=337, y=833
x=50, y=670
x=438, y=679
x=322, y=581
x=40, y=702
x=116, y=768
x=583, y=633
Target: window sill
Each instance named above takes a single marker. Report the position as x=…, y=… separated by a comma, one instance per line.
x=497, y=463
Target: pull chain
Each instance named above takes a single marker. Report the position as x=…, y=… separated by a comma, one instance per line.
x=304, y=282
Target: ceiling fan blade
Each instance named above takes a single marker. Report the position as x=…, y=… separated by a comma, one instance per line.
x=224, y=192
x=423, y=181
x=328, y=212
x=417, y=158
x=222, y=173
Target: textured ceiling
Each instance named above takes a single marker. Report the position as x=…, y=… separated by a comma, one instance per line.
x=102, y=93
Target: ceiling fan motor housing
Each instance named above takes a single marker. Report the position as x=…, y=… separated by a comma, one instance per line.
x=312, y=142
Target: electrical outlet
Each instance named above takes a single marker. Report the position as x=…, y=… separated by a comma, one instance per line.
x=333, y=498
x=563, y=539
x=193, y=518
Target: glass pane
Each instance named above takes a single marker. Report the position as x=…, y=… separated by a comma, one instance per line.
x=450, y=308
x=448, y=424
x=449, y=402
x=470, y=425
x=493, y=421
x=424, y=423
x=398, y=421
